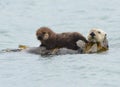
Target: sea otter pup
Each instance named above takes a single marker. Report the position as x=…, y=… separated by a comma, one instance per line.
x=52, y=40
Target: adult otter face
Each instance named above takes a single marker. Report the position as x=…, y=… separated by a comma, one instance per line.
x=43, y=33
x=96, y=35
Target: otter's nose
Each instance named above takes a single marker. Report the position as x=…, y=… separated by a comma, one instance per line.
x=92, y=34
x=39, y=37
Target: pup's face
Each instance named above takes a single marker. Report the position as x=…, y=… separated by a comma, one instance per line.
x=42, y=33
x=96, y=35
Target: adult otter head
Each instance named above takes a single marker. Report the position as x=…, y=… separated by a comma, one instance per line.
x=97, y=42
x=96, y=35
x=44, y=33
x=99, y=37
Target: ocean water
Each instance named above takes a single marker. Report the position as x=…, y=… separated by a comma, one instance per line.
x=19, y=20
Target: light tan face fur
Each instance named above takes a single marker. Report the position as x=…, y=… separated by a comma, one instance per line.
x=96, y=35
x=46, y=36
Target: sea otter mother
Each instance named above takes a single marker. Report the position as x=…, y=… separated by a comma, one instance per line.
x=51, y=40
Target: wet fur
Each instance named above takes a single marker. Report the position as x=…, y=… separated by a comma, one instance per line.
x=54, y=40
x=94, y=48
x=97, y=42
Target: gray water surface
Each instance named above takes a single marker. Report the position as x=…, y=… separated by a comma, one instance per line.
x=19, y=20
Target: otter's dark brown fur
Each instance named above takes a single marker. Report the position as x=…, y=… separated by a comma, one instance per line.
x=52, y=40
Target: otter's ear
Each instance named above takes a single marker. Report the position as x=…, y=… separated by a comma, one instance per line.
x=105, y=42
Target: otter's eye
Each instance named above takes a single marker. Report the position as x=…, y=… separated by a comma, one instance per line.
x=43, y=32
x=99, y=32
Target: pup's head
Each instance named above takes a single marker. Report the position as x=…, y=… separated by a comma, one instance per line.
x=96, y=35
x=44, y=33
